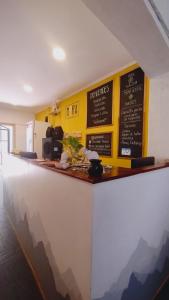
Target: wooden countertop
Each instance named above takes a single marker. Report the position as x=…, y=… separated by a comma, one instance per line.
x=111, y=174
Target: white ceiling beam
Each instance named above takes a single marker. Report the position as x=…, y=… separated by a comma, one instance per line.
x=133, y=24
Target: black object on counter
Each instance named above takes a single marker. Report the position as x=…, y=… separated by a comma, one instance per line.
x=95, y=169
x=142, y=162
x=58, y=133
x=32, y=155
x=52, y=148
x=49, y=132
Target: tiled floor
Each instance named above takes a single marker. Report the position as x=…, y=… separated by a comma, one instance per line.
x=16, y=280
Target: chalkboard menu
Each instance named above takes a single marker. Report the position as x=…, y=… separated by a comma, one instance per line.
x=99, y=105
x=131, y=113
x=100, y=142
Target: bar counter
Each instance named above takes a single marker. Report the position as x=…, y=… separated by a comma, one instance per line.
x=90, y=241
x=110, y=174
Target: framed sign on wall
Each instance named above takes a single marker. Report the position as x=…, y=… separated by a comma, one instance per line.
x=100, y=142
x=72, y=110
x=131, y=114
x=99, y=105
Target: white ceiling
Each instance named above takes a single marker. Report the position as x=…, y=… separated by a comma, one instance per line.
x=136, y=24
x=94, y=34
x=161, y=10
x=163, y=7
x=29, y=29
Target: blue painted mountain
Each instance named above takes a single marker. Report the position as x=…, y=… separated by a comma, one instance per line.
x=154, y=280
x=140, y=277
x=143, y=262
x=146, y=291
x=163, y=254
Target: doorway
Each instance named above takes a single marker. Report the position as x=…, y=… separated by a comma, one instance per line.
x=6, y=140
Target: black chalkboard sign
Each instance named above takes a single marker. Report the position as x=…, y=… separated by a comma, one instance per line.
x=99, y=105
x=131, y=114
x=100, y=142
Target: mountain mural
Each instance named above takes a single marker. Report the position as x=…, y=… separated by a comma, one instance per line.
x=163, y=291
x=56, y=286
x=146, y=291
x=143, y=274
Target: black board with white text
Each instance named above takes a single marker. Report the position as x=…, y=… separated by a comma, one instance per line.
x=131, y=114
x=99, y=105
x=100, y=142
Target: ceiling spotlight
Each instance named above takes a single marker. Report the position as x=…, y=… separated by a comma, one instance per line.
x=59, y=54
x=27, y=88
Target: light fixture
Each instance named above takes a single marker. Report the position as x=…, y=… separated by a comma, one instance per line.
x=59, y=54
x=27, y=88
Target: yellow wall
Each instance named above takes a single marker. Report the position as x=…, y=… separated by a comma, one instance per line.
x=79, y=123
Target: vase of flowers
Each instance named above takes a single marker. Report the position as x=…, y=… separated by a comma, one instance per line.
x=72, y=147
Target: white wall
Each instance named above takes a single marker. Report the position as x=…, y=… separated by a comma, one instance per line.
x=18, y=119
x=159, y=117
x=1, y=189
x=58, y=210
x=130, y=222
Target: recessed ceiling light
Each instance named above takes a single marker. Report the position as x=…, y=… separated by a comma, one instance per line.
x=59, y=54
x=27, y=88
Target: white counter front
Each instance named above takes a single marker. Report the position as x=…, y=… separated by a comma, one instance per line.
x=101, y=241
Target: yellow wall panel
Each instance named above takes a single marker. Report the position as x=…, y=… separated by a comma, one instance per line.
x=78, y=123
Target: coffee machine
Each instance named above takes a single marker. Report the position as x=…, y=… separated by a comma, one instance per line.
x=51, y=145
